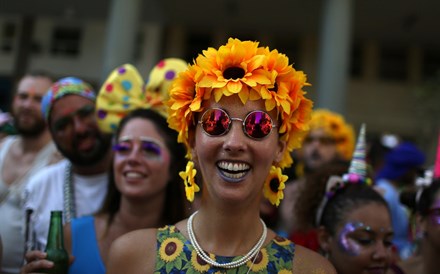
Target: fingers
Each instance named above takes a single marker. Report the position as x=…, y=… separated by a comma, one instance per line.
x=35, y=261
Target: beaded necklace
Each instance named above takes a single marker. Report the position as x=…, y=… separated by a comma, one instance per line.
x=69, y=195
x=205, y=257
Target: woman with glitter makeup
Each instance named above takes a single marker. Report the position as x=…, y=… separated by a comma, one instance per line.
x=352, y=219
x=240, y=110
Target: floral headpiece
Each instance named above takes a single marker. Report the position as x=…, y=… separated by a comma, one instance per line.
x=335, y=125
x=253, y=73
x=123, y=91
x=357, y=174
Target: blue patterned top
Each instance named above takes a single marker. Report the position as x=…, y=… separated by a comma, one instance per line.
x=175, y=254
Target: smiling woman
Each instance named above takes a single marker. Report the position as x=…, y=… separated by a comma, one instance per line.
x=240, y=111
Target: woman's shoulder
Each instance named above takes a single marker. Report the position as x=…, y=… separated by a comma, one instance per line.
x=133, y=252
x=308, y=261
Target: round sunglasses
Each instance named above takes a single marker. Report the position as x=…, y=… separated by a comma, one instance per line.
x=256, y=125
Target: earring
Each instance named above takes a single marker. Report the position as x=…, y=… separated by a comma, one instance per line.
x=188, y=177
x=274, y=185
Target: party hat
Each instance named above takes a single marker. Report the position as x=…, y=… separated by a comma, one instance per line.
x=437, y=160
x=357, y=171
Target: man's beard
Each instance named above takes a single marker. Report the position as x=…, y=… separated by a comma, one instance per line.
x=103, y=142
x=34, y=129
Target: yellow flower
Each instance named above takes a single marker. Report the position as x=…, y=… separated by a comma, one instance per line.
x=233, y=68
x=260, y=262
x=199, y=264
x=281, y=240
x=188, y=177
x=274, y=185
x=170, y=249
x=284, y=271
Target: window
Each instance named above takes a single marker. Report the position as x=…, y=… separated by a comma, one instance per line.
x=431, y=63
x=66, y=41
x=8, y=36
x=393, y=64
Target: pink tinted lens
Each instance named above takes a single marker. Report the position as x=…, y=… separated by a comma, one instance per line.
x=258, y=124
x=215, y=122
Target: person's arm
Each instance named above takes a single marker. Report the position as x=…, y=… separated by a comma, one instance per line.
x=134, y=252
x=308, y=261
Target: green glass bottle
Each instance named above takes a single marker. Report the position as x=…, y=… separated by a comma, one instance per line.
x=55, y=245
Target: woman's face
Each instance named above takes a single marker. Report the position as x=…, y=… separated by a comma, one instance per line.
x=233, y=165
x=362, y=243
x=141, y=161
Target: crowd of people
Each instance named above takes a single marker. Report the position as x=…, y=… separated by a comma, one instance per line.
x=186, y=173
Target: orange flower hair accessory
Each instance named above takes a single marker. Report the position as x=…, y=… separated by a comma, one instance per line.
x=335, y=125
x=253, y=73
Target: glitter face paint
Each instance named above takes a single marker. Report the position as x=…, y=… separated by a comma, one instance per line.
x=348, y=244
x=150, y=148
x=434, y=212
x=355, y=244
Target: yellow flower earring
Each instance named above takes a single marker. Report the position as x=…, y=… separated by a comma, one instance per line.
x=274, y=185
x=188, y=177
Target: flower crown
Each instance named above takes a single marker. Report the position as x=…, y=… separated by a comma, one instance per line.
x=251, y=72
x=335, y=125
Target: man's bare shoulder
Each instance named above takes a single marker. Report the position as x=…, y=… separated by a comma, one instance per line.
x=310, y=262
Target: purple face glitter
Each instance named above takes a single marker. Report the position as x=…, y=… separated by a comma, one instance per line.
x=348, y=244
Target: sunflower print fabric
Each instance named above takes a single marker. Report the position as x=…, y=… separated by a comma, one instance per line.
x=175, y=254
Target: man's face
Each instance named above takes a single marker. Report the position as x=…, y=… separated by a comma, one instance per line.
x=26, y=105
x=75, y=131
x=318, y=149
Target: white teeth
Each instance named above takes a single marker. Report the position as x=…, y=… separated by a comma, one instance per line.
x=233, y=166
x=133, y=175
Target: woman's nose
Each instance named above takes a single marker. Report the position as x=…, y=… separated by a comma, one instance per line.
x=235, y=140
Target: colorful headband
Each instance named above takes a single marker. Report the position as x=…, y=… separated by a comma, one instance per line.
x=335, y=125
x=63, y=87
x=162, y=75
x=122, y=92
x=251, y=72
x=357, y=174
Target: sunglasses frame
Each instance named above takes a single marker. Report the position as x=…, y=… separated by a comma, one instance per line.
x=231, y=119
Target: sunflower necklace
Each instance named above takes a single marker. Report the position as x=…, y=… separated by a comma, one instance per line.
x=252, y=253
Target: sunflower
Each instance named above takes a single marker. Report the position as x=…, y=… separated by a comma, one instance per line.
x=260, y=262
x=274, y=185
x=284, y=271
x=170, y=249
x=188, y=178
x=233, y=68
x=281, y=241
x=199, y=264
